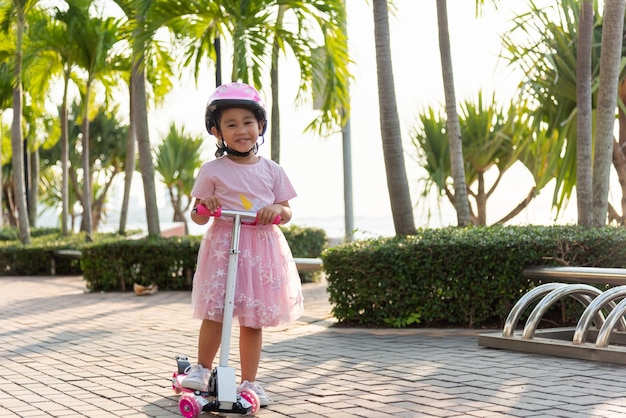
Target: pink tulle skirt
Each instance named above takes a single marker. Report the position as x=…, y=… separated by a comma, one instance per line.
x=268, y=290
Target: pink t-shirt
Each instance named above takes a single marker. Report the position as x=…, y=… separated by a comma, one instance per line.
x=247, y=187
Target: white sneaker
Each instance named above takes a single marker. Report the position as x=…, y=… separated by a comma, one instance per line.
x=197, y=378
x=264, y=399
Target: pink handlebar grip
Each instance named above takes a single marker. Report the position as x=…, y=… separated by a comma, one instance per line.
x=204, y=211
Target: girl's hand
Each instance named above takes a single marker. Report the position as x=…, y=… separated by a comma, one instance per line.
x=267, y=214
x=211, y=203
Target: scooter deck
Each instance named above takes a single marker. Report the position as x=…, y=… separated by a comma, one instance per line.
x=193, y=402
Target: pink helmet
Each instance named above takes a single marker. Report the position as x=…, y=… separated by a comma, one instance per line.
x=234, y=95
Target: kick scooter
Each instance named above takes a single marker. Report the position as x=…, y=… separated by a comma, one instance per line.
x=223, y=381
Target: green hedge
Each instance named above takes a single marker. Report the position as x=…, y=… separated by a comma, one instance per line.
x=168, y=262
x=37, y=258
x=467, y=277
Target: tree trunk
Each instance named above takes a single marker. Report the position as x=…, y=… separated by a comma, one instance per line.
x=275, y=114
x=86, y=224
x=129, y=166
x=16, y=135
x=611, y=48
x=583, y=115
x=619, y=159
x=9, y=190
x=1, y=189
x=145, y=153
x=346, y=136
x=397, y=183
x=454, y=128
x=481, y=200
x=65, y=158
x=98, y=203
x=33, y=190
x=619, y=162
x=140, y=122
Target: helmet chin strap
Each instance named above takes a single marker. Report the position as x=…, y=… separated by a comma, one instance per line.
x=235, y=153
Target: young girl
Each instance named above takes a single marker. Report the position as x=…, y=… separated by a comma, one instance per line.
x=268, y=290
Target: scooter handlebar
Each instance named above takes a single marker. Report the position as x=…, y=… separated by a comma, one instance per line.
x=219, y=212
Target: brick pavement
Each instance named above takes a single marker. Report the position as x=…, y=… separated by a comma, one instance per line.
x=67, y=353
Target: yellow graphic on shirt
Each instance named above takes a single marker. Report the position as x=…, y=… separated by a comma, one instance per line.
x=247, y=204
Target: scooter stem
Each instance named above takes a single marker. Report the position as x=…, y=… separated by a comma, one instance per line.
x=229, y=302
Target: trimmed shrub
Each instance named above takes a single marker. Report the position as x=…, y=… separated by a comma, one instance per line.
x=468, y=277
x=167, y=262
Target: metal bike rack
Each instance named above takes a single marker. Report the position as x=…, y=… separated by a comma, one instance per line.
x=600, y=334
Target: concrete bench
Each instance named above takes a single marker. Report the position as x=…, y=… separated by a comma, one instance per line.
x=308, y=264
x=73, y=254
x=596, y=275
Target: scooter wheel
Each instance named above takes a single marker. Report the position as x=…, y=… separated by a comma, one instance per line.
x=253, y=398
x=189, y=406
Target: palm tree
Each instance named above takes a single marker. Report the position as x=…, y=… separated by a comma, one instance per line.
x=177, y=159
x=94, y=43
x=549, y=62
x=493, y=139
x=250, y=25
x=40, y=129
x=129, y=169
x=456, y=149
x=7, y=44
x=275, y=85
x=612, y=35
x=397, y=183
x=583, y=114
x=323, y=89
x=107, y=154
x=149, y=64
x=142, y=31
x=454, y=130
x=16, y=12
x=53, y=50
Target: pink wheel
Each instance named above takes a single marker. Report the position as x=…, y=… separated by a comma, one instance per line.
x=253, y=398
x=189, y=406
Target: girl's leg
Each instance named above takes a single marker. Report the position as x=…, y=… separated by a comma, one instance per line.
x=209, y=342
x=250, y=343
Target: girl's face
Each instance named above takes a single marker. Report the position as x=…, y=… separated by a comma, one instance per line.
x=239, y=128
